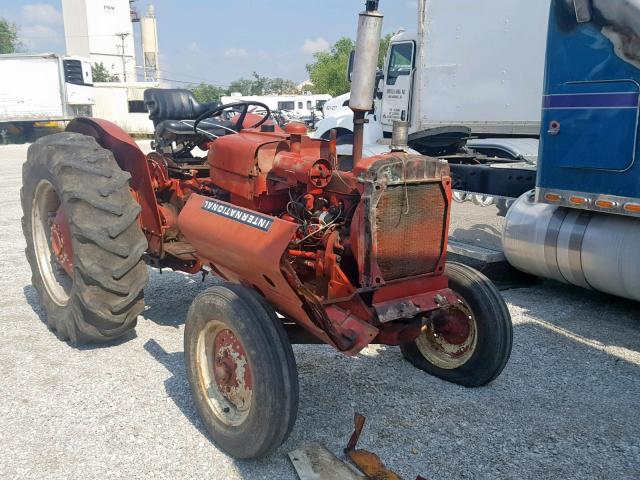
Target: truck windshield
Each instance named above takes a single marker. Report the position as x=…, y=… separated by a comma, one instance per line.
x=401, y=60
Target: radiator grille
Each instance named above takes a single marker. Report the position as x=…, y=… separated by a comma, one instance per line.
x=410, y=237
x=73, y=72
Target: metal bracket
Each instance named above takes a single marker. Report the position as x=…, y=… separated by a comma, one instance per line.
x=583, y=10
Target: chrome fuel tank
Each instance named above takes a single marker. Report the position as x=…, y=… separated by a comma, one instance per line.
x=587, y=249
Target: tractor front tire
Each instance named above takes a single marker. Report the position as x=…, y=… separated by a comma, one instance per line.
x=99, y=295
x=241, y=371
x=470, y=344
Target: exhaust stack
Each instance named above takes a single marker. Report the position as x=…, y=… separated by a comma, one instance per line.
x=364, y=72
x=400, y=136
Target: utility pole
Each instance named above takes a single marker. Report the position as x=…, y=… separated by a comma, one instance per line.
x=123, y=36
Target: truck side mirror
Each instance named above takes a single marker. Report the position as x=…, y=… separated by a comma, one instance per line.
x=583, y=10
x=379, y=78
x=379, y=75
x=352, y=58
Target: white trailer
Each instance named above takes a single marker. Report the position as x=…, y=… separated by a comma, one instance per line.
x=470, y=64
x=43, y=88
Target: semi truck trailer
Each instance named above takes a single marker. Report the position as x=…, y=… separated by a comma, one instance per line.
x=40, y=88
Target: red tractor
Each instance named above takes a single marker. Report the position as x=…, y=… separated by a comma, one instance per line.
x=353, y=254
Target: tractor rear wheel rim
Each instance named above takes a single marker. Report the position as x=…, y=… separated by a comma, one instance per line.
x=45, y=208
x=449, y=340
x=225, y=374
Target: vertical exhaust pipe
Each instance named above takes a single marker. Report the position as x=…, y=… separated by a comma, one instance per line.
x=364, y=72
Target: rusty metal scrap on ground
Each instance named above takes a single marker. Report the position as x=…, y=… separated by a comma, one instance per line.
x=367, y=462
x=315, y=462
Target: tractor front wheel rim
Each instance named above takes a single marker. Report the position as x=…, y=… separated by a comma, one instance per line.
x=46, y=232
x=225, y=374
x=449, y=339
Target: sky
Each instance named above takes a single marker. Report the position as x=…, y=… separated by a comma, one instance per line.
x=218, y=41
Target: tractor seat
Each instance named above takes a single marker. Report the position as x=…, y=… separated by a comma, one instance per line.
x=173, y=104
x=172, y=129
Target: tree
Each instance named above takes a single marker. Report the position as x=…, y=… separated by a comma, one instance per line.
x=280, y=86
x=384, y=46
x=9, y=41
x=100, y=73
x=242, y=85
x=206, y=93
x=328, y=72
x=259, y=85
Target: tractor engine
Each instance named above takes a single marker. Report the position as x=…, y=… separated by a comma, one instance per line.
x=344, y=253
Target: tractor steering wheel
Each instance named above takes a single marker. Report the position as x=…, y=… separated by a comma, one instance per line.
x=242, y=107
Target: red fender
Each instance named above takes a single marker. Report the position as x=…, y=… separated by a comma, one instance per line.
x=130, y=159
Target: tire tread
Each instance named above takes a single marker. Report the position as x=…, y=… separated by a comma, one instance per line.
x=108, y=243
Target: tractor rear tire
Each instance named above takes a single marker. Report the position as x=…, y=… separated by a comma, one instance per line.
x=241, y=371
x=488, y=340
x=102, y=298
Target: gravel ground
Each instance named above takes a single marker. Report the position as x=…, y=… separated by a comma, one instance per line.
x=475, y=225
x=565, y=406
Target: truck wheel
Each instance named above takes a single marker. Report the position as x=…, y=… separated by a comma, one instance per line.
x=241, y=370
x=84, y=244
x=470, y=343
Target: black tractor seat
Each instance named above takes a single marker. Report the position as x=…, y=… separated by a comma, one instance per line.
x=174, y=111
x=174, y=104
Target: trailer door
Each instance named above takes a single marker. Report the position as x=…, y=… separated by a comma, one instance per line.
x=396, y=101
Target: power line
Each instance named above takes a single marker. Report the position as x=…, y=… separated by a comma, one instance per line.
x=185, y=75
x=185, y=82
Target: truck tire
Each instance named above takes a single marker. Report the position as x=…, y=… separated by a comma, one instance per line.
x=74, y=195
x=241, y=371
x=469, y=344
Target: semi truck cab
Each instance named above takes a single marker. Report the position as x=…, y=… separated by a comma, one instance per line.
x=581, y=225
x=589, y=136
x=396, y=87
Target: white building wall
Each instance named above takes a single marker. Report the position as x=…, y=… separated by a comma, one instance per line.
x=112, y=103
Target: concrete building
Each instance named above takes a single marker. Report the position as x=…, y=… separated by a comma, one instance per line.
x=101, y=30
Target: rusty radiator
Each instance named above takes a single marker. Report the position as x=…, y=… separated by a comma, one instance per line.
x=410, y=226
